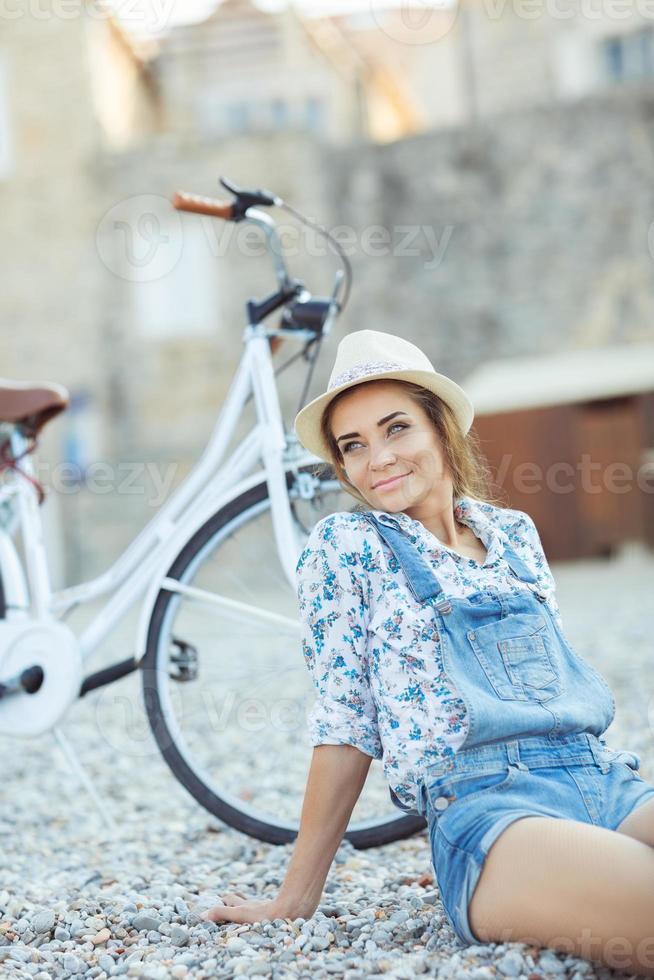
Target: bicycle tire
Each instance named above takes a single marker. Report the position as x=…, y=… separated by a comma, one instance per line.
x=371, y=835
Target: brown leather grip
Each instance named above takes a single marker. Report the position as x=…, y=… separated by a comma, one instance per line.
x=203, y=205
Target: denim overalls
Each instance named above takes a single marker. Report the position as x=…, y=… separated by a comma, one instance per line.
x=536, y=712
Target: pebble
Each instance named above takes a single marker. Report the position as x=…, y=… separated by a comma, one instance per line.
x=179, y=935
x=146, y=920
x=511, y=964
x=20, y=954
x=104, y=906
x=550, y=963
x=43, y=921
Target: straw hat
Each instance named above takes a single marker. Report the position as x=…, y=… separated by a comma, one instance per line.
x=368, y=355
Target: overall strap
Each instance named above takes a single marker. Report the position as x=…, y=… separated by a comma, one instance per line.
x=423, y=583
x=522, y=571
x=518, y=567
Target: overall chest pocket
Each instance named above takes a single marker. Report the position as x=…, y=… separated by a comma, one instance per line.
x=516, y=656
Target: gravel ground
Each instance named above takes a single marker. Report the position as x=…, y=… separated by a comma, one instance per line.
x=77, y=901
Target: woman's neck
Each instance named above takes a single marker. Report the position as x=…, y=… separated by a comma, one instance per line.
x=443, y=524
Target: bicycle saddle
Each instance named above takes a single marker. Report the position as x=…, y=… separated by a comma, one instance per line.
x=31, y=404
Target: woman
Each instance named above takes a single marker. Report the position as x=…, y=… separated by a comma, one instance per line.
x=435, y=643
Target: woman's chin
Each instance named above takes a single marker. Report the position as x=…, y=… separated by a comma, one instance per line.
x=393, y=502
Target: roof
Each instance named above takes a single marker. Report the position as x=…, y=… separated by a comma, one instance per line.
x=561, y=378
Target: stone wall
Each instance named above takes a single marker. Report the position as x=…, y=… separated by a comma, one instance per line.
x=534, y=231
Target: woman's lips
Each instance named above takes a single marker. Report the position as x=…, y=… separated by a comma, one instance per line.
x=390, y=483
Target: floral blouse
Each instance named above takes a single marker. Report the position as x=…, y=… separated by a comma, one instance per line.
x=369, y=644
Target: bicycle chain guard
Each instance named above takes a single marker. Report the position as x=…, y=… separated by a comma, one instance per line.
x=53, y=647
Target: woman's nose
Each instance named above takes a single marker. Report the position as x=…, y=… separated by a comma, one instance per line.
x=381, y=457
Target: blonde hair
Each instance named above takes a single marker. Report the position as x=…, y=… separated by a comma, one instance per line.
x=471, y=474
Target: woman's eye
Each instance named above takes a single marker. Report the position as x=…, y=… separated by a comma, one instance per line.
x=394, y=425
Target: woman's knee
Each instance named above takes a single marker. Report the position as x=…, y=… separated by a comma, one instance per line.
x=570, y=886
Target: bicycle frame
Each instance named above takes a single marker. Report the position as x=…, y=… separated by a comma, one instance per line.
x=212, y=482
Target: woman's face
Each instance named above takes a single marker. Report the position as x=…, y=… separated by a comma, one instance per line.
x=383, y=435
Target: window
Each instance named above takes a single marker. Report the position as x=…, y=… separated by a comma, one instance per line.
x=248, y=113
x=238, y=117
x=81, y=439
x=314, y=114
x=630, y=56
x=279, y=113
x=184, y=302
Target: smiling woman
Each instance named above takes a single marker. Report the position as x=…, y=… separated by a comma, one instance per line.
x=434, y=642
x=414, y=459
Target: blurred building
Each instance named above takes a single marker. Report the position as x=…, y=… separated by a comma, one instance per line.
x=244, y=71
x=490, y=177
x=539, y=54
x=571, y=437
x=392, y=69
x=476, y=59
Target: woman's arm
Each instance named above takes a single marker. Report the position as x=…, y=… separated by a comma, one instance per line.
x=342, y=724
x=336, y=777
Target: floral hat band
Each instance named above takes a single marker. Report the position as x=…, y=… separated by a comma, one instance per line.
x=363, y=370
x=370, y=354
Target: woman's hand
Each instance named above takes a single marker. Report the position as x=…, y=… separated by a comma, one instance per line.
x=240, y=909
x=336, y=778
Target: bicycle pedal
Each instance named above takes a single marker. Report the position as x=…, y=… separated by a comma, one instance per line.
x=185, y=660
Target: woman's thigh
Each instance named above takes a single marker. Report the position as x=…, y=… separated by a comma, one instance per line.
x=639, y=824
x=572, y=886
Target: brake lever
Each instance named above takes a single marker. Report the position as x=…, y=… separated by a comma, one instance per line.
x=246, y=199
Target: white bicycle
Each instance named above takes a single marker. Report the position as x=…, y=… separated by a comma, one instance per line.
x=225, y=687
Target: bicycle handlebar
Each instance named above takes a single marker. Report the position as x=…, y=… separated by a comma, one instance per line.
x=235, y=210
x=203, y=205
x=313, y=315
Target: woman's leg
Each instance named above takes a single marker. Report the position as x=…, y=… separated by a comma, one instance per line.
x=572, y=886
x=640, y=823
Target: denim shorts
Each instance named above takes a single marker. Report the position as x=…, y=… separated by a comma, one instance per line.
x=470, y=799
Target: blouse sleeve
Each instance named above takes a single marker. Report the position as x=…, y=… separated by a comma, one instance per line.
x=333, y=610
x=540, y=563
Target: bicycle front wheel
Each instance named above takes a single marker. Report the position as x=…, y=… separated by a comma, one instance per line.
x=227, y=691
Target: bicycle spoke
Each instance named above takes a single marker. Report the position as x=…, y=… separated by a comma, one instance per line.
x=240, y=610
